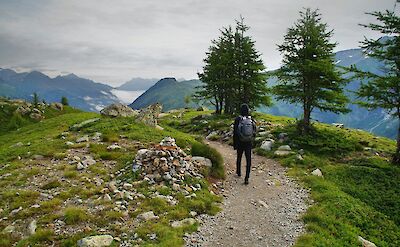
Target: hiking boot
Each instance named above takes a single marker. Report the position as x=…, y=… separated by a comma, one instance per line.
x=246, y=181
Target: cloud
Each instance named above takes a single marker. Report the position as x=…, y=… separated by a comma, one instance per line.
x=113, y=41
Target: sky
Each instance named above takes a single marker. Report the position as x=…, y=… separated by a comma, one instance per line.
x=114, y=41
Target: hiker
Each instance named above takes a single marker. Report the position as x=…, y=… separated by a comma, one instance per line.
x=244, y=132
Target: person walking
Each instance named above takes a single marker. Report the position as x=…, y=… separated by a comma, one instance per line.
x=244, y=132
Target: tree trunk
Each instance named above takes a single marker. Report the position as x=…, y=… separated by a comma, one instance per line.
x=396, y=156
x=306, y=119
x=217, y=108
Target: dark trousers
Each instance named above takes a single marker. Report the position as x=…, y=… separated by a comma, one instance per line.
x=247, y=152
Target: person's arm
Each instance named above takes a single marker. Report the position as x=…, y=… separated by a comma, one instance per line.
x=235, y=137
x=254, y=127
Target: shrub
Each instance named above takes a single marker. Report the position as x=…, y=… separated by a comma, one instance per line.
x=217, y=169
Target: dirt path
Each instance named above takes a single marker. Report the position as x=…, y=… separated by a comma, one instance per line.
x=264, y=213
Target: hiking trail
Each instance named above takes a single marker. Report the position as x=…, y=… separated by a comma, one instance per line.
x=267, y=212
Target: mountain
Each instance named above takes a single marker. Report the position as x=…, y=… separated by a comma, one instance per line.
x=137, y=84
x=169, y=92
x=82, y=93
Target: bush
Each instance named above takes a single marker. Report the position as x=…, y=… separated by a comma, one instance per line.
x=217, y=169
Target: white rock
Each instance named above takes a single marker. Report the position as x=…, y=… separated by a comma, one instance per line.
x=127, y=186
x=69, y=143
x=202, y=160
x=284, y=148
x=184, y=222
x=80, y=166
x=96, y=241
x=317, y=172
x=113, y=147
x=32, y=227
x=267, y=145
x=365, y=243
x=282, y=153
x=147, y=216
x=83, y=139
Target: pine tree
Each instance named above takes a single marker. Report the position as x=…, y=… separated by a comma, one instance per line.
x=383, y=91
x=64, y=100
x=308, y=75
x=35, y=99
x=233, y=73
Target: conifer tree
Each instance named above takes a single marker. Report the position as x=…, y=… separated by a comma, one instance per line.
x=64, y=100
x=233, y=73
x=308, y=76
x=383, y=91
x=35, y=99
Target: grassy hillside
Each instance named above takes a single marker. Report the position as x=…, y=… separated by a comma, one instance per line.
x=40, y=182
x=359, y=193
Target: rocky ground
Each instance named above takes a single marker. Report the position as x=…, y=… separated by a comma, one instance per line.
x=266, y=212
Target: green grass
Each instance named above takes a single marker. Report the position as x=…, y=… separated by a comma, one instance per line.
x=74, y=215
x=359, y=194
x=218, y=168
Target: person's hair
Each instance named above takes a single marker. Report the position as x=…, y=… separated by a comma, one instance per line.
x=244, y=110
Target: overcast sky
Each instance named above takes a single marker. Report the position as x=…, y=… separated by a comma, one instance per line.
x=113, y=41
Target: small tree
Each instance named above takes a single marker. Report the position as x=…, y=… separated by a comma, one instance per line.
x=64, y=100
x=383, y=91
x=308, y=75
x=35, y=99
x=187, y=100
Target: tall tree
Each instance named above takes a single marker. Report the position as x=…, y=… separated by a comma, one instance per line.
x=308, y=75
x=35, y=99
x=383, y=91
x=233, y=72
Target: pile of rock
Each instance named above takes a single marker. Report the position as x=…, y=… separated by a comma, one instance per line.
x=150, y=114
x=168, y=163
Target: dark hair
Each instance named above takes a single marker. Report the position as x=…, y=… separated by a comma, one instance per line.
x=244, y=110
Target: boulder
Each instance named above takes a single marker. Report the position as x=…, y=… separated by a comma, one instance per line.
x=284, y=148
x=147, y=216
x=32, y=227
x=365, y=243
x=96, y=241
x=317, y=172
x=82, y=139
x=23, y=110
x=282, y=153
x=150, y=114
x=202, y=161
x=267, y=144
x=118, y=110
x=113, y=147
x=57, y=106
x=36, y=116
x=184, y=222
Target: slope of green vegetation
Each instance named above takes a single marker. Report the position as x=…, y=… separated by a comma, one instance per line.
x=40, y=182
x=359, y=193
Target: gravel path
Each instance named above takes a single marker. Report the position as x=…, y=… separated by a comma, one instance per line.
x=264, y=213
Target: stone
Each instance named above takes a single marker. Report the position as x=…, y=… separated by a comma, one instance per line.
x=113, y=147
x=338, y=125
x=284, y=148
x=176, y=187
x=37, y=157
x=118, y=110
x=84, y=124
x=147, y=216
x=88, y=160
x=213, y=135
x=80, y=166
x=69, y=143
x=193, y=213
x=36, y=116
x=113, y=186
x=184, y=222
x=107, y=198
x=299, y=157
x=317, y=172
x=267, y=145
x=15, y=211
x=96, y=241
x=82, y=139
x=159, y=127
x=202, y=161
x=282, y=153
x=127, y=186
x=365, y=243
x=32, y=227
x=57, y=106
x=150, y=114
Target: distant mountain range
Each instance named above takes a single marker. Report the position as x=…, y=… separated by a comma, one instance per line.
x=137, y=84
x=81, y=93
x=171, y=94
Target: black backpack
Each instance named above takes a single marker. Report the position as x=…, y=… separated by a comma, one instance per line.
x=246, y=129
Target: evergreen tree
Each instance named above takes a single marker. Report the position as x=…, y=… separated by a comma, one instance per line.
x=233, y=73
x=308, y=75
x=35, y=99
x=64, y=100
x=383, y=91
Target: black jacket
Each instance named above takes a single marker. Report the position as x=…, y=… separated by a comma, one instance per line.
x=236, y=142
